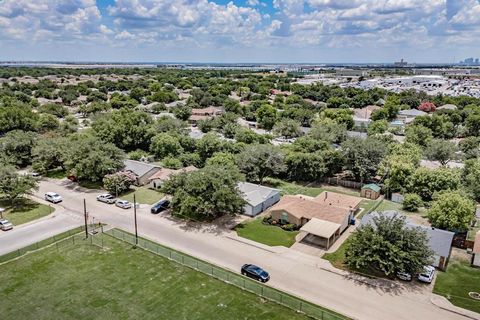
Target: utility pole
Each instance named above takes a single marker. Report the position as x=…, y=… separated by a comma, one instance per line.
x=135, y=216
x=85, y=216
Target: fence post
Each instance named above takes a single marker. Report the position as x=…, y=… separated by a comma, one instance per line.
x=301, y=306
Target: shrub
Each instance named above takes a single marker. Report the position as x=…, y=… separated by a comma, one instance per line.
x=289, y=227
x=267, y=220
x=411, y=202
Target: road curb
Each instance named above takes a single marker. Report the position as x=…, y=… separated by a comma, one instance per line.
x=250, y=243
x=444, y=304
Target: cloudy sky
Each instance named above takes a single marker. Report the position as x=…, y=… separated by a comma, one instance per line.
x=240, y=30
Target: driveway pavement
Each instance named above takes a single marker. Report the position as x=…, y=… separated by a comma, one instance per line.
x=292, y=271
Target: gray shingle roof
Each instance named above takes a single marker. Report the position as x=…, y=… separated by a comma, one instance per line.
x=255, y=194
x=412, y=113
x=440, y=241
x=138, y=168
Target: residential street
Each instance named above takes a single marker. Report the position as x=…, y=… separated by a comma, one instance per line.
x=290, y=270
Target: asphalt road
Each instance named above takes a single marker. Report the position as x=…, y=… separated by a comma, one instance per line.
x=291, y=271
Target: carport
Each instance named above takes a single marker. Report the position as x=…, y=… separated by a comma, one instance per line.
x=321, y=233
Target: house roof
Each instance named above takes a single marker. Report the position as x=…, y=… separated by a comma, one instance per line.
x=440, y=241
x=255, y=194
x=447, y=107
x=476, y=245
x=321, y=228
x=338, y=200
x=372, y=186
x=305, y=207
x=139, y=168
x=206, y=111
x=412, y=113
x=366, y=112
x=165, y=173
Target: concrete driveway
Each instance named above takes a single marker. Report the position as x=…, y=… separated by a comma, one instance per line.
x=292, y=271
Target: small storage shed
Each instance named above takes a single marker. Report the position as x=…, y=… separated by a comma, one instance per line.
x=371, y=191
x=258, y=198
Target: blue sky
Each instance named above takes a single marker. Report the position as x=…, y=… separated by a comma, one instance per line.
x=240, y=30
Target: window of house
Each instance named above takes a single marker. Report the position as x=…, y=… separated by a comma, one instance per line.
x=284, y=217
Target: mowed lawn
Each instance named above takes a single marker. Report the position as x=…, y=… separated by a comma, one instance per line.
x=119, y=282
x=455, y=284
x=270, y=235
x=25, y=210
x=143, y=195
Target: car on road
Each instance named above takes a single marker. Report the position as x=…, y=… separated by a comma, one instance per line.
x=53, y=197
x=5, y=225
x=254, y=272
x=124, y=204
x=107, y=198
x=160, y=206
x=427, y=274
x=405, y=276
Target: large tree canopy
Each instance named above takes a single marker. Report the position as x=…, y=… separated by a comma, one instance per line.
x=14, y=185
x=451, y=211
x=388, y=245
x=260, y=161
x=205, y=194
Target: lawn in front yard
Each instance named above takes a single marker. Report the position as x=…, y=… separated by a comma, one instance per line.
x=457, y=281
x=143, y=195
x=119, y=282
x=25, y=210
x=337, y=258
x=270, y=235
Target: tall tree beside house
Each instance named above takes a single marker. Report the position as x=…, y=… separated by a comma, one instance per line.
x=205, y=194
x=267, y=116
x=440, y=150
x=259, y=161
x=451, y=211
x=89, y=158
x=287, y=128
x=363, y=156
x=471, y=178
x=388, y=246
x=17, y=145
x=119, y=182
x=14, y=185
x=425, y=182
x=49, y=154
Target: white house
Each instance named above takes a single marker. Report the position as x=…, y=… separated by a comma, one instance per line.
x=258, y=198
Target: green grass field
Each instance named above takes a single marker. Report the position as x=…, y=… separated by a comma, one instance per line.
x=270, y=235
x=143, y=195
x=119, y=282
x=25, y=210
x=308, y=189
x=455, y=284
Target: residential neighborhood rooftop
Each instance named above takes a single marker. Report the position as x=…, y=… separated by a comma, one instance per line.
x=139, y=168
x=254, y=193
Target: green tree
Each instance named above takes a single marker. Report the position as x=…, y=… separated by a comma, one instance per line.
x=47, y=122
x=363, y=156
x=127, y=129
x=222, y=159
x=441, y=150
x=16, y=116
x=14, y=185
x=17, y=146
x=377, y=127
x=328, y=130
x=340, y=116
x=287, y=128
x=425, y=182
x=205, y=194
x=389, y=246
x=472, y=123
x=208, y=145
x=49, y=154
x=471, y=178
x=89, y=158
x=260, y=161
x=419, y=135
x=411, y=202
x=267, y=116
x=165, y=145
x=182, y=112
x=451, y=211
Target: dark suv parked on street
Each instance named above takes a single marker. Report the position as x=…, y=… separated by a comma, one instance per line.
x=160, y=206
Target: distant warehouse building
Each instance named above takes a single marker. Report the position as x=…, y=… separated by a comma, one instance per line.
x=258, y=198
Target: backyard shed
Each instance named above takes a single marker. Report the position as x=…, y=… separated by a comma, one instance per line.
x=371, y=191
x=258, y=198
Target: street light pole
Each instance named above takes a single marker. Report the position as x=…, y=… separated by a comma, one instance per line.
x=135, y=216
x=85, y=217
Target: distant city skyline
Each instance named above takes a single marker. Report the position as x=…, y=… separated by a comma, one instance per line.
x=240, y=31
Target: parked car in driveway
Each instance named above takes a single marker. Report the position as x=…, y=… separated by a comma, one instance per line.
x=5, y=225
x=405, y=276
x=53, y=197
x=124, y=204
x=427, y=274
x=160, y=206
x=107, y=198
x=254, y=272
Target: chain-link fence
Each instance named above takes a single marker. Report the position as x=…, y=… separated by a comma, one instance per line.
x=242, y=282
x=71, y=237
